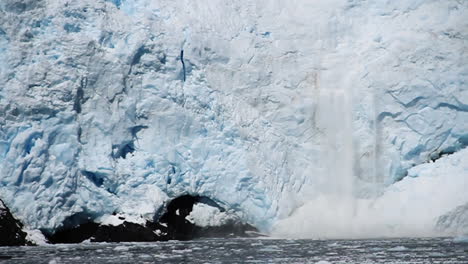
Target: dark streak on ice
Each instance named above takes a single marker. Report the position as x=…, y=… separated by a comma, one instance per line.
x=183, y=63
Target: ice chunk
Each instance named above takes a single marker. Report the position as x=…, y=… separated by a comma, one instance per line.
x=205, y=215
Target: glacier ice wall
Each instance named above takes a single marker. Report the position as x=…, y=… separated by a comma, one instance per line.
x=119, y=106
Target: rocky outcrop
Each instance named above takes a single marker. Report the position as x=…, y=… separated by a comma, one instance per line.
x=173, y=224
x=93, y=232
x=11, y=233
x=149, y=232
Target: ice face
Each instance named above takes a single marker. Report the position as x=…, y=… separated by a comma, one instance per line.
x=271, y=105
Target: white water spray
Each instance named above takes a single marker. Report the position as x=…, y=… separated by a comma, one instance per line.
x=335, y=120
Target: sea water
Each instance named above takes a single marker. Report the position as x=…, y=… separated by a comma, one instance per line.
x=405, y=250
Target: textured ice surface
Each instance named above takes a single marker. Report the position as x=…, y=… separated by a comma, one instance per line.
x=282, y=102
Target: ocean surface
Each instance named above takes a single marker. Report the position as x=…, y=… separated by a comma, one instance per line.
x=408, y=250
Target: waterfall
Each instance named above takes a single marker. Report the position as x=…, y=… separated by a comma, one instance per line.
x=335, y=122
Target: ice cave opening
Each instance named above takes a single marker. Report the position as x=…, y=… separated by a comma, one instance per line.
x=175, y=217
x=188, y=217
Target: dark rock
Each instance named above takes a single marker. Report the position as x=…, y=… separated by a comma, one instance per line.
x=76, y=234
x=125, y=232
x=128, y=232
x=11, y=233
x=172, y=225
x=231, y=229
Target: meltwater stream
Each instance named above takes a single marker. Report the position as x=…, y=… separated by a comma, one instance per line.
x=408, y=250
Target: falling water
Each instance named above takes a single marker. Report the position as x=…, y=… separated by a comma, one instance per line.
x=335, y=120
x=337, y=148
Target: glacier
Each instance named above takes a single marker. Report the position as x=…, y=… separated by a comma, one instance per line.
x=279, y=111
